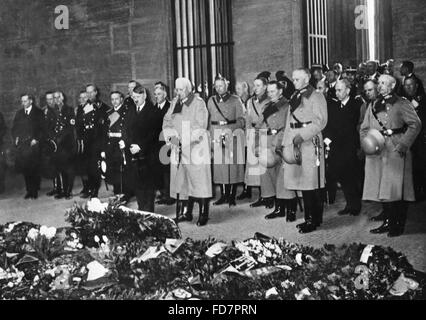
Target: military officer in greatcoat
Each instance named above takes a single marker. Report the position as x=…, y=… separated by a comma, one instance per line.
x=305, y=122
x=81, y=162
x=228, y=139
x=272, y=124
x=394, y=124
x=117, y=137
x=255, y=106
x=342, y=135
x=64, y=140
x=27, y=132
x=419, y=147
x=185, y=128
x=128, y=101
x=91, y=122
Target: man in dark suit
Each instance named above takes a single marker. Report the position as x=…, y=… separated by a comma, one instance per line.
x=27, y=132
x=411, y=88
x=343, y=136
x=144, y=142
x=64, y=139
x=163, y=152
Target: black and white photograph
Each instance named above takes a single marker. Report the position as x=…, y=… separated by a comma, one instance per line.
x=214, y=155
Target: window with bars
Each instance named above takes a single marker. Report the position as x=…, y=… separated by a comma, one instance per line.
x=316, y=31
x=203, y=43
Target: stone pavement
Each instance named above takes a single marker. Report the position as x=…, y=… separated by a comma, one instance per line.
x=241, y=222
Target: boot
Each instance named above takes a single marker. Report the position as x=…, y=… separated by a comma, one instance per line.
x=184, y=214
x=223, y=197
x=178, y=209
x=189, y=209
x=54, y=190
x=318, y=211
x=383, y=228
x=387, y=212
x=397, y=219
x=246, y=194
x=232, y=202
x=380, y=217
x=291, y=210
x=308, y=205
x=279, y=211
x=269, y=202
x=85, y=187
x=259, y=203
x=204, y=212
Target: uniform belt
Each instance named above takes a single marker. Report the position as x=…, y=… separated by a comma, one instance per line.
x=391, y=132
x=299, y=125
x=115, y=134
x=274, y=132
x=223, y=123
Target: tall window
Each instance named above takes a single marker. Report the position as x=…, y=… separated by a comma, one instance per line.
x=203, y=43
x=316, y=29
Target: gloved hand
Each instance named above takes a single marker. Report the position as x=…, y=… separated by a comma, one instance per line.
x=298, y=140
x=122, y=144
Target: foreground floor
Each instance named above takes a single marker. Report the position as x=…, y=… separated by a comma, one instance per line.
x=241, y=222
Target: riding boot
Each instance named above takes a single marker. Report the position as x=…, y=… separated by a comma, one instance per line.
x=279, y=211
x=178, y=210
x=204, y=212
x=232, y=196
x=223, y=198
x=387, y=212
x=291, y=210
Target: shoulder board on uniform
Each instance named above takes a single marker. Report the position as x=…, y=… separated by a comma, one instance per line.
x=404, y=98
x=335, y=100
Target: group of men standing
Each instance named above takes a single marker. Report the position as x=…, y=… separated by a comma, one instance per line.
x=294, y=139
x=118, y=144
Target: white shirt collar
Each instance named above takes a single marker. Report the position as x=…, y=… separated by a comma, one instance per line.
x=333, y=84
x=118, y=108
x=344, y=102
x=140, y=108
x=161, y=105
x=28, y=110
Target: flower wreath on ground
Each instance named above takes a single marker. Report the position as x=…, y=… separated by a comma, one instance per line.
x=111, y=252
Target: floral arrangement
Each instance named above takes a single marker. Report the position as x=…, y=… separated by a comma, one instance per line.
x=111, y=252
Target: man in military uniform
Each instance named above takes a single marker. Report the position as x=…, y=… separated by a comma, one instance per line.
x=343, y=140
x=185, y=129
x=286, y=84
x=273, y=120
x=305, y=122
x=411, y=88
x=81, y=162
x=64, y=140
x=48, y=169
x=163, y=151
x=90, y=129
x=351, y=77
x=2, y=155
x=27, y=132
x=226, y=130
x=117, y=137
x=255, y=107
x=388, y=173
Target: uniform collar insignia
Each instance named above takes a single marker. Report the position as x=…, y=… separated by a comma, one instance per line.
x=189, y=99
x=262, y=98
x=223, y=98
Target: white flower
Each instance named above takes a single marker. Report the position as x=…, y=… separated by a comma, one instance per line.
x=49, y=233
x=10, y=284
x=33, y=234
x=79, y=246
x=97, y=240
x=95, y=205
x=105, y=239
x=11, y=227
x=74, y=235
